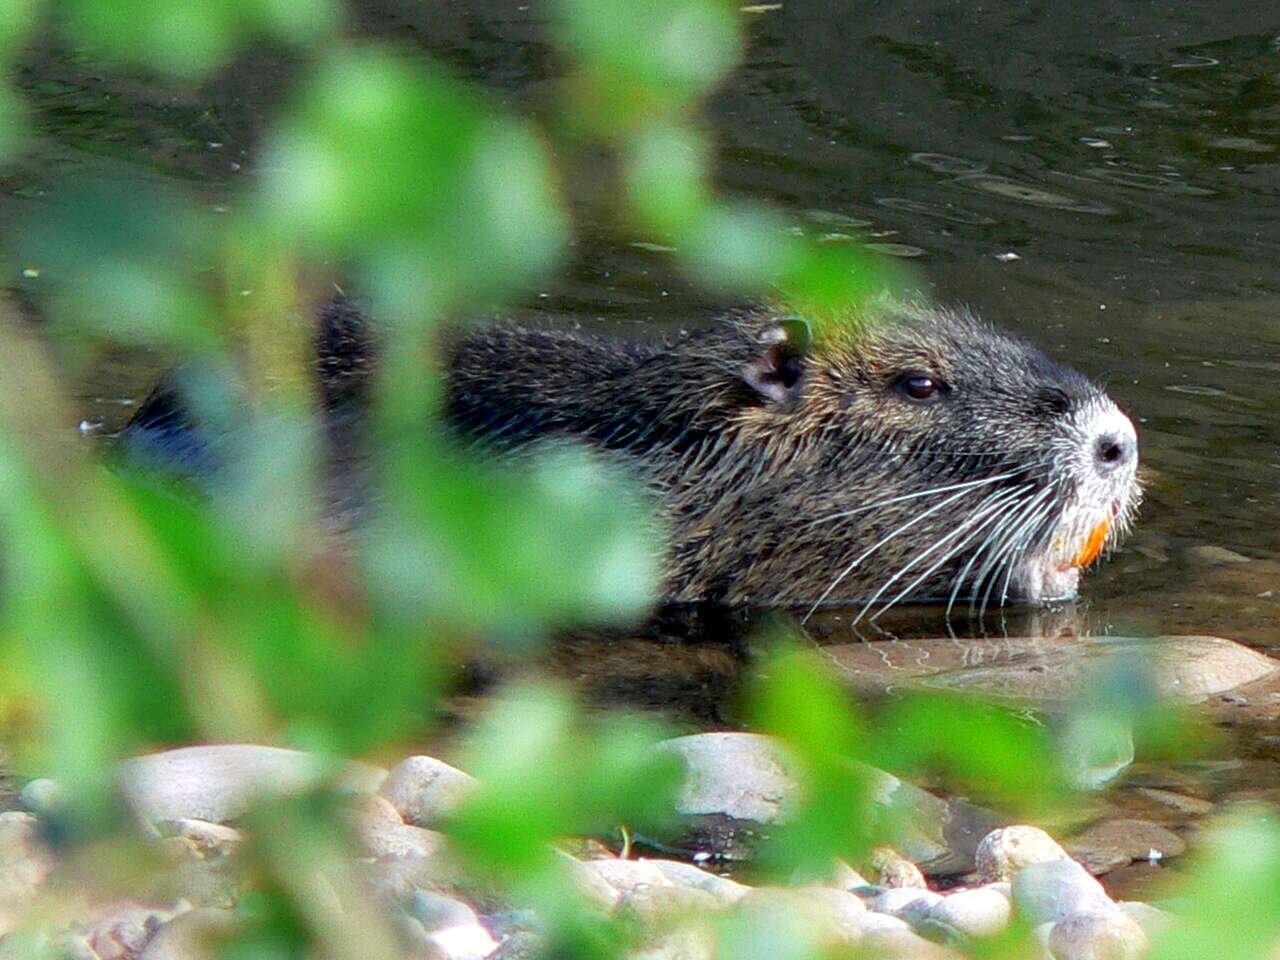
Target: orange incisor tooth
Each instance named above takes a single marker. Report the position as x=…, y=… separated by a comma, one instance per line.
x=1093, y=545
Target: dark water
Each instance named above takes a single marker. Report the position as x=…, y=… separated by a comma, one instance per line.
x=1102, y=177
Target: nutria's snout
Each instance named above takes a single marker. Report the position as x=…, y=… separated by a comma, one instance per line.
x=1097, y=459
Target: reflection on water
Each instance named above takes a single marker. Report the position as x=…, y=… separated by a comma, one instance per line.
x=1102, y=179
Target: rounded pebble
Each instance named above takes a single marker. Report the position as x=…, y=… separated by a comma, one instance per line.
x=908, y=903
x=977, y=913
x=1105, y=936
x=41, y=796
x=725, y=891
x=1002, y=853
x=1057, y=889
x=425, y=790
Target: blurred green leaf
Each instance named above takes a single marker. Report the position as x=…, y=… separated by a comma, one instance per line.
x=643, y=58
x=405, y=168
x=122, y=257
x=16, y=20
x=556, y=540
x=666, y=171
x=798, y=701
x=979, y=749
x=1232, y=895
x=545, y=774
x=191, y=39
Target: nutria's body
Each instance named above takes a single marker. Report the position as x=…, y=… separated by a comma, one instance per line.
x=917, y=453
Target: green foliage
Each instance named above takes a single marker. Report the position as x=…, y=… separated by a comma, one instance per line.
x=404, y=167
x=138, y=613
x=190, y=39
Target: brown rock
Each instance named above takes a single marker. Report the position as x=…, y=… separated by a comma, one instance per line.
x=1114, y=843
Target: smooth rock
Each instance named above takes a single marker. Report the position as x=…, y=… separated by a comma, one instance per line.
x=734, y=781
x=891, y=869
x=1033, y=671
x=1004, y=852
x=907, y=903
x=208, y=839
x=522, y=945
x=464, y=942
x=1152, y=920
x=870, y=922
x=1190, y=806
x=593, y=888
x=190, y=936
x=625, y=875
x=739, y=775
x=844, y=877
x=726, y=891
x=25, y=864
x=425, y=790
x=826, y=916
x=1057, y=889
x=661, y=908
x=1105, y=936
x=41, y=796
x=901, y=945
x=978, y=913
x=1113, y=843
x=383, y=839
x=219, y=782
x=1209, y=555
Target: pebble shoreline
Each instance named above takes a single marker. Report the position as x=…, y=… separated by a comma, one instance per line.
x=179, y=798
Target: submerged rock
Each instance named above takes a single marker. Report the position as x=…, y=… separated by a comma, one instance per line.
x=1047, y=672
x=1114, y=843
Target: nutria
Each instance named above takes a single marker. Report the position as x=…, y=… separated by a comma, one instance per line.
x=915, y=453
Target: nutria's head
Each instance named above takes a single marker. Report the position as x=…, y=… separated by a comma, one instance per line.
x=919, y=454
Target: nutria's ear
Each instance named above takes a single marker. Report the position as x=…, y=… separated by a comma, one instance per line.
x=777, y=371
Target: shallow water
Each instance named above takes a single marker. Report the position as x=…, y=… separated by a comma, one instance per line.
x=1102, y=179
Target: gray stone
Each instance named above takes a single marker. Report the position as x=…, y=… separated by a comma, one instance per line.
x=908, y=903
x=736, y=781
x=593, y=888
x=41, y=796
x=208, y=839
x=25, y=864
x=1104, y=936
x=521, y=945
x=871, y=922
x=383, y=839
x=187, y=937
x=1057, y=889
x=661, y=908
x=892, y=869
x=821, y=915
x=844, y=877
x=1151, y=919
x=726, y=891
x=425, y=790
x=901, y=945
x=1004, y=852
x=219, y=782
x=1209, y=555
x=435, y=911
x=1113, y=843
x=1036, y=672
x=978, y=913
x=626, y=875
x=738, y=775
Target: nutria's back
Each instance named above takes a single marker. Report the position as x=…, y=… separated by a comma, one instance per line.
x=915, y=452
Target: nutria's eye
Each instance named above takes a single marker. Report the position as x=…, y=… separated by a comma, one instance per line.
x=921, y=387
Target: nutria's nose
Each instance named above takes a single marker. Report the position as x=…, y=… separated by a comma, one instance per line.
x=1115, y=449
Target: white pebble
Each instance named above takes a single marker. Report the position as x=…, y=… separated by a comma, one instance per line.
x=977, y=913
